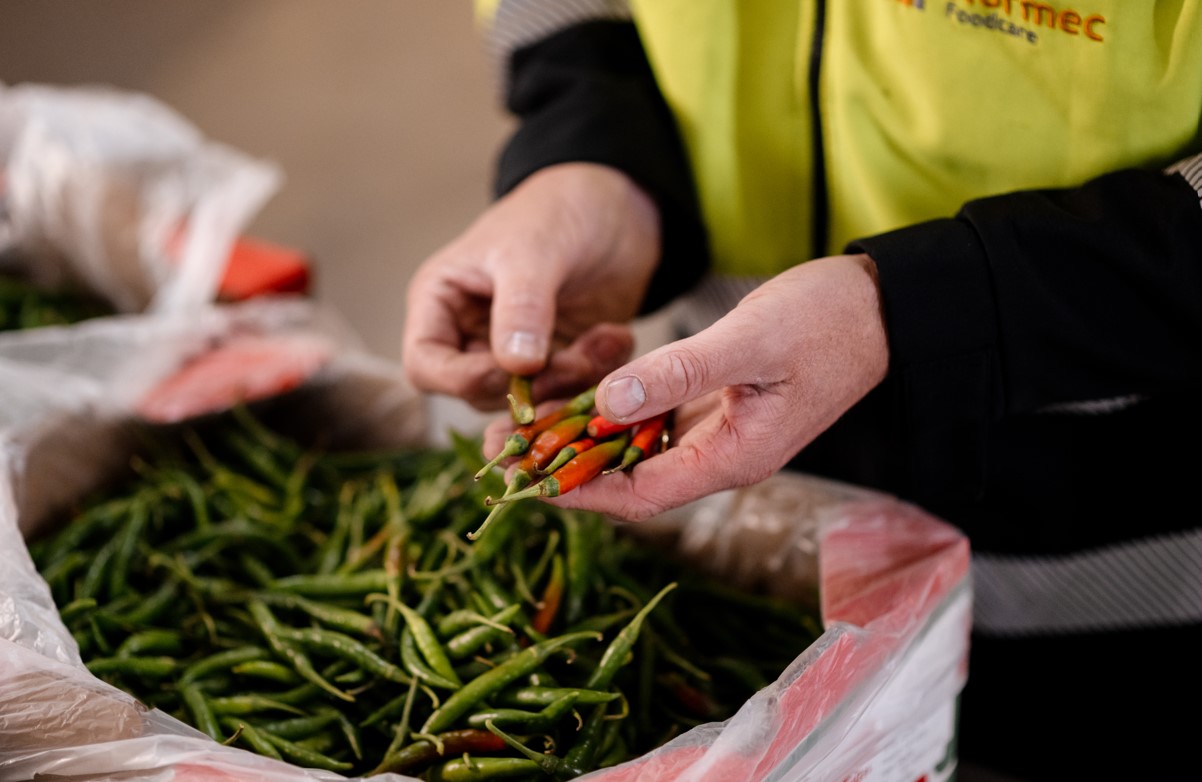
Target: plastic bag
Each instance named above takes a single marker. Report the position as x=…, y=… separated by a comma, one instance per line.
x=873, y=699
x=116, y=193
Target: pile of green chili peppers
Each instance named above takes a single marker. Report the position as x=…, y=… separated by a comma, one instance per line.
x=326, y=608
x=24, y=305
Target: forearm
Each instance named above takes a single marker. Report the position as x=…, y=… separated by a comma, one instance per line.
x=1047, y=298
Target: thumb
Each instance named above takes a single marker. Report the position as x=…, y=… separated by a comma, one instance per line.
x=669, y=376
x=522, y=317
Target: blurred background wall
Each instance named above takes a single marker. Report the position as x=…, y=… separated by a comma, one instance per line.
x=382, y=115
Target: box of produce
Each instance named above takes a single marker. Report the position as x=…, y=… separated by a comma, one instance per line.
x=283, y=586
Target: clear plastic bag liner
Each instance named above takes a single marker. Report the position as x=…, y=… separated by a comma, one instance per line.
x=117, y=193
x=872, y=699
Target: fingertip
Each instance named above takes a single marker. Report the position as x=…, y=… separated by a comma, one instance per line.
x=622, y=398
x=521, y=352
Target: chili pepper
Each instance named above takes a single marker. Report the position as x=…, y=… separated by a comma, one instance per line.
x=401, y=730
x=267, y=669
x=348, y=731
x=249, y=704
x=334, y=584
x=483, y=769
x=202, y=714
x=490, y=682
x=644, y=443
x=331, y=551
x=548, y=608
x=457, y=621
x=471, y=640
x=527, y=721
x=425, y=637
x=521, y=399
x=412, y=660
x=559, y=768
x=150, y=667
x=304, y=756
x=521, y=478
x=615, y=655
x=346, y=647
x=568, y=451
x=601, y=428
x=77, y=608
x=151, y=641
x=418, y=755
x=545, y=696
x=578, y=471
x=337, y=617
x=692, y=698
x=253, y=737
x=222, y=661
x=521, y=438
x=550, y=441
x=151, y=608
x=138, y=515
x=296, y=658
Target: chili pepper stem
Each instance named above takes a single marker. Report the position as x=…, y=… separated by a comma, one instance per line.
x=515, y=445
x=520, y=480
x=547, y=487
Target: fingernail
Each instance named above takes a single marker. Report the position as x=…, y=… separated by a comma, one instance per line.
x=626, y=396
x=524, y=344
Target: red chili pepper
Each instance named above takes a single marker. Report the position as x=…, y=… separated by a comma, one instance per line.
x=520, y=440
x=578, y=471
x=601, y=427
x=645, y=442
x=568, y=451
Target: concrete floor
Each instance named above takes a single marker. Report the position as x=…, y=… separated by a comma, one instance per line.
x=382, y=115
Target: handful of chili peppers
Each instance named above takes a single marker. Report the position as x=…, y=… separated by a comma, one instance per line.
x=566, y=447
x=323, y=608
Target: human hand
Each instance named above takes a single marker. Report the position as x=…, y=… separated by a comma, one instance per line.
x=544, y=282
x=750, y=391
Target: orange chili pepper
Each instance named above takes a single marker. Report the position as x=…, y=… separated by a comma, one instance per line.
x=645, y=442
x=579, y=470
x=568, y=451
x=552, y=440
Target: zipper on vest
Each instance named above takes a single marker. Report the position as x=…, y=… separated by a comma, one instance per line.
x=821, y=206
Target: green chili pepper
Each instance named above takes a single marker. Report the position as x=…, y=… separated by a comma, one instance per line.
x=347, y=648
x=618, y=650
x=482, y=770
x=304, y=756
x=296, y=658
x=527, y=721
x=488, y=683
x=545, y=696
x=222, y=661
x=471, y=640
x=253, y=737
x=201, y=711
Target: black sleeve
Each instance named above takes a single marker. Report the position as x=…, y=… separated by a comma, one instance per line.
x=1033, y=299
x=587, y=94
